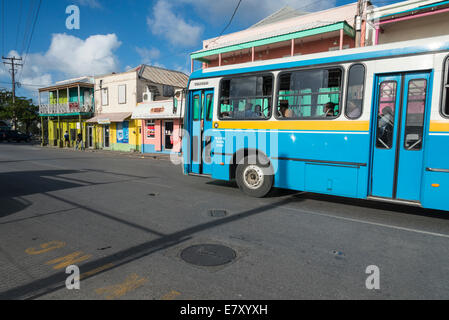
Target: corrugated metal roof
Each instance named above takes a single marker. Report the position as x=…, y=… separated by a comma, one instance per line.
x=164, y=76
x=282, y=14
x=76, y=80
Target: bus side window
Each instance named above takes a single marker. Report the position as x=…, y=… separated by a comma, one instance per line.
x=445, y=102
x=356, y=82
x=310, y=94
x=246, y=98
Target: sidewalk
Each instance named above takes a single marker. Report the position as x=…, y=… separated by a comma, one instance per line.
x=136, y=155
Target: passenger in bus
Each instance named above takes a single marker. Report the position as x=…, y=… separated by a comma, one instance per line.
x=353, y=112
x=386, y=125
x=249, y=113
x=258, y=111
x=284, y=110
x=329, y=109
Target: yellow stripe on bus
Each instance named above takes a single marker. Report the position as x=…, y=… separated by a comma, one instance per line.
x=325, y=125
x=439, y=126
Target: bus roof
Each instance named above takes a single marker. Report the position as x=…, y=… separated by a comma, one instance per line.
x=397, y=49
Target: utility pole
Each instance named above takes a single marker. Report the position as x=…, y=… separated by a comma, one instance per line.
x=358, y=22
x=13, y=70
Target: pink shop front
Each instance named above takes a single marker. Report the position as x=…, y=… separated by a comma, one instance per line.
x=161, y=127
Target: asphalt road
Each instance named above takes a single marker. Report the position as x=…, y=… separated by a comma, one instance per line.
x=124, y=220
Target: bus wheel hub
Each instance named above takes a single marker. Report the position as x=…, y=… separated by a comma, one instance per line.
x=253, y=177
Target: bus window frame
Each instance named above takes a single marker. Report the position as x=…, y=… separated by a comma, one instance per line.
x=326, y=67
x=347, y=90
x=444, y=82
x=246, y=75
x=193, y=106
x=426, y=91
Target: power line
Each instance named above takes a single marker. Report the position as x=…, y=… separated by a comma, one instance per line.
x=3, y=26
x=32, y=33
x=19, y=23
x=28, y=24
x=229, y=23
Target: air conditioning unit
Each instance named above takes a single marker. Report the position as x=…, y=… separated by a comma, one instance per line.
x=147, y=96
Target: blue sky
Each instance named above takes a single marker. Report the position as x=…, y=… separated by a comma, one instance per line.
x=118, y=34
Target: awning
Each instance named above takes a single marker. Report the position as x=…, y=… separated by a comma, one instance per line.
x=158, y=110
x=106, y=118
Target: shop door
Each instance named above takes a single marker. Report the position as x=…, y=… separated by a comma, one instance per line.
x=106, y=143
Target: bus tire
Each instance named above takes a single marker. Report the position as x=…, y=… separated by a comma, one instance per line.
x=253, y=178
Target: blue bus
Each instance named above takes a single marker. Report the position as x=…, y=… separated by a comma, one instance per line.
x=367, y=123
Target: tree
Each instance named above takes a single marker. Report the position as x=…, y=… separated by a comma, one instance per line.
x=23, y=111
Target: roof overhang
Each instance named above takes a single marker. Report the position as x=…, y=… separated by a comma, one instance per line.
x=107, y=118
x=157, y=110
x=67, y=86
x=348, y=30
x=430, y=9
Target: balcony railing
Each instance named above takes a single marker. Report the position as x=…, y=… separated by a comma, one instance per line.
x=65, y=108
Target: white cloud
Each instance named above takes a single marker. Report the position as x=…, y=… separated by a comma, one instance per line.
x=68, y=57
x=90, y=3
x=148, y=55
x=251, y=11
x=75, y=57
x=164, y=22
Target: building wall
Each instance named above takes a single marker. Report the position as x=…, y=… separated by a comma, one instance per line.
x=418, y=28
x=156, y=144
x=285, y=51
x=133, y=137
x=112, y=82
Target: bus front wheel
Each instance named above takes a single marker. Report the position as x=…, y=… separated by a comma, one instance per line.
x=253, y=178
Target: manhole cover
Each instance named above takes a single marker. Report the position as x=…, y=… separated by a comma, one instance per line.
x=218, y=213
x=208, y=255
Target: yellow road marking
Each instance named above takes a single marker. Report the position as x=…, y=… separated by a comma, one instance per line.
x=95, y=271
x=46, y=247
x=171, y=295
x=68, y=260
x=131, y=283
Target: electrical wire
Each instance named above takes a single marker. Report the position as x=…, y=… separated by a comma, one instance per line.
x=31, y=37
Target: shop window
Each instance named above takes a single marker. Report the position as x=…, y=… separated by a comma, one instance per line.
x=246, y=98
x=310, y=94
x=151, y=129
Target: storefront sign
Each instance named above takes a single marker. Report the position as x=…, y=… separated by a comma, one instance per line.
x=104, y=121
x=123, y=132
x=157, y=110
x=151, y=130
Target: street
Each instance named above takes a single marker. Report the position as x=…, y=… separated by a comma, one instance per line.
x=126, y=220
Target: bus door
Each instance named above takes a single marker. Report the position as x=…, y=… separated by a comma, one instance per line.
x=202, y=116
x=402, y=104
